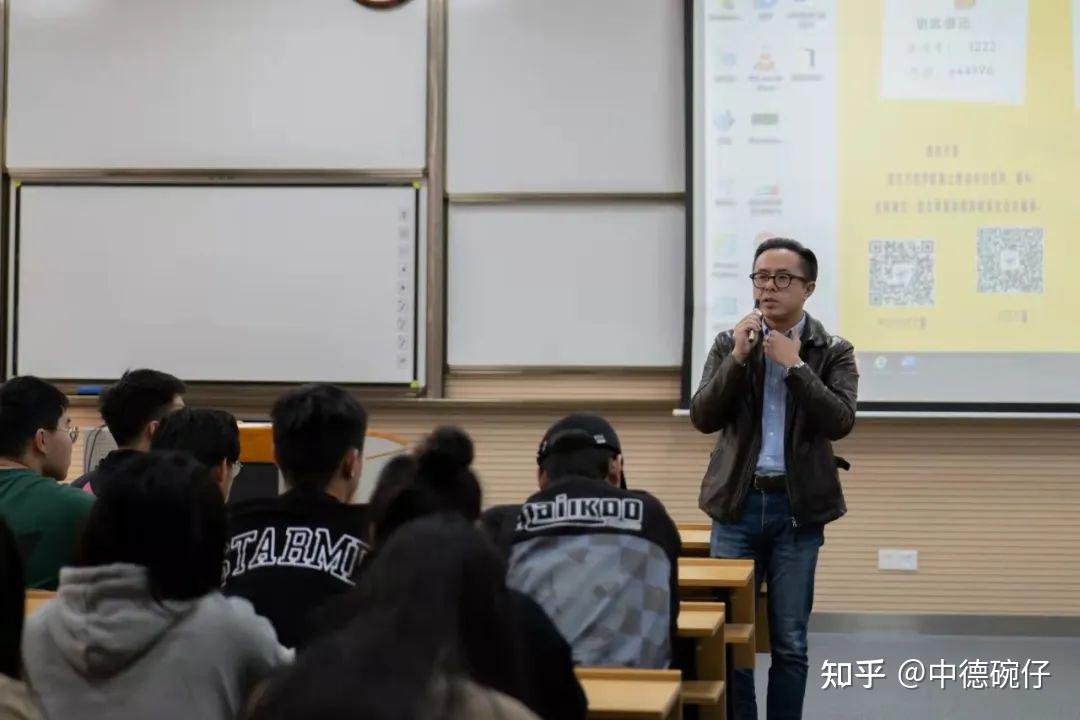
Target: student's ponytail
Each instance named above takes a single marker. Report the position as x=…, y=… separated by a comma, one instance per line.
x=444, y=461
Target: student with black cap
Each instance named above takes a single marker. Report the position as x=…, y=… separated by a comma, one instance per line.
x=603, y=434
x=499, y=521
x=600, y=559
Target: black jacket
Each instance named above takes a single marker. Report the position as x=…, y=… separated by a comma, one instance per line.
x=603, y=564
x=820, y=409
x=499, y=522
x=289, y=555
x=99, y=476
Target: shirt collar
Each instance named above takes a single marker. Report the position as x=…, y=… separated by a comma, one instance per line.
x=798, y=329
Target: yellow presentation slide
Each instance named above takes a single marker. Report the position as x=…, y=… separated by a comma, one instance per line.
x=958, y=147
x=926, y=150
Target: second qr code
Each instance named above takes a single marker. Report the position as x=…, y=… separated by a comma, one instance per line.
x=901, y=273
x=1010, y=260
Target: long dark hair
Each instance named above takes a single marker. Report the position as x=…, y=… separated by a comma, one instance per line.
x=12, y=599
x=430, y=611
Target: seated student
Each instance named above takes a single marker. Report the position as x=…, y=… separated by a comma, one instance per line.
x=288, y=555
x=140, y=629
x=432, y=638
x=45, y=515
x=500, y=521
x=602, y=561
x=211, y=436
x=132, y=409
x=16, y=702
x=438, y=480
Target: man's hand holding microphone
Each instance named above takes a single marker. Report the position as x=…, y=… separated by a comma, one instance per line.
x=778, y=347
x=747, y=333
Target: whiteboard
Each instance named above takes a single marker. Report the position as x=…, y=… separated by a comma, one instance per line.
x=269, y=284
x=565, y=95
x=252, y=84
x=580, y=285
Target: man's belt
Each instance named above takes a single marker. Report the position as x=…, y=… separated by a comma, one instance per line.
x=770, y=483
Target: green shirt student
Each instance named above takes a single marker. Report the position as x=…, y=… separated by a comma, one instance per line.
x=46, y=517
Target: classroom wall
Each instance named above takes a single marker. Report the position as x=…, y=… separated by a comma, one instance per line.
x=993, y=507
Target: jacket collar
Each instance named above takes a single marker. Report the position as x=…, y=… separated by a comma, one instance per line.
x=814, y=333
x=569, y=480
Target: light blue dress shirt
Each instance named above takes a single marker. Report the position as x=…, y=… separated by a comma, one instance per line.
x=774, y=412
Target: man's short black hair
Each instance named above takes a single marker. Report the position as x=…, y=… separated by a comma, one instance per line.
x=314, y=426
x=27, y=404
x=161, y=510
x=809, y=259
x=137, y=399
x=211, y=436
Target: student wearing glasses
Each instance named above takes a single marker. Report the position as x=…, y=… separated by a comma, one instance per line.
x=46, y=516
x=779, y=389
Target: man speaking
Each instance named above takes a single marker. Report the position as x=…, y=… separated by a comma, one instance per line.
x=779, y=389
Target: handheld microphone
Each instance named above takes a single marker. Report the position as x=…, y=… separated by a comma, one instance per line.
x=753, y=333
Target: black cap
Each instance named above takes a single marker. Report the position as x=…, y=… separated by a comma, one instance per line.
x=579, y=432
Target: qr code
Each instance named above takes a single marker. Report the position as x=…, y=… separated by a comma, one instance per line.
x=901, y=273
x=1010, y=260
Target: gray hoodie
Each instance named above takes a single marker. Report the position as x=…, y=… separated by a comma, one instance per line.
x=106, y=649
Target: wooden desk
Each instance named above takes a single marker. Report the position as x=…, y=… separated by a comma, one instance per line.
x=715, y=573
x=701, y=619
x=696, y=542
x=736, y=577
x=696, y=538
x=625, y=694
x=704, y=621
x=35, y=599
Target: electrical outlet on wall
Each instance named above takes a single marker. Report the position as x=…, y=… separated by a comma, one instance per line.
x=891, y=559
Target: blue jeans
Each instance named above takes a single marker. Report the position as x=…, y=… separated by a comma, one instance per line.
x=786, y=556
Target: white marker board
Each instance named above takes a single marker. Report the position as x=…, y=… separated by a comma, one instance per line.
x=566, y=285
x=565, y=96
x=205, y=84
x=217, y=283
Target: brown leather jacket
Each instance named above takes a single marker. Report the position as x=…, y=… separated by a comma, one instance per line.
x=820, y=409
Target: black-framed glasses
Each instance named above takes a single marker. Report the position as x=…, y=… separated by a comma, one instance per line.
x=781, y=279
x=72, y=431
